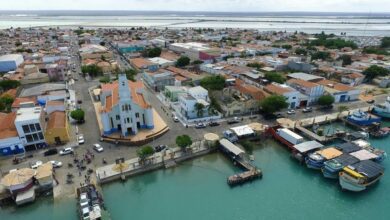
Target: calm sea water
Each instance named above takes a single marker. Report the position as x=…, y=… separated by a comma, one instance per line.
x=198, y=190
x=353, y=24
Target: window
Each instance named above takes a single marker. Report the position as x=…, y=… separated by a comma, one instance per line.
x=35, y=137
x=137, y=115
x=128, y=120
x=29, y=138
x=38, y=126
x=32, y=128
x=117, y=117
x=40, y=136
x=26, y=129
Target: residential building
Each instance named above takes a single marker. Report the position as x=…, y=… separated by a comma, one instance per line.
x=352, y=79
x=124, y=108
x=189, y=101
x=144, y=64
x=57, y=129
x=340, y=92
x=291, y=95
x=10, y=142
x=29, y=123
x=94, y=51
x=172, y=93
x=10, y=62
x=159, y=79
x=311, y=91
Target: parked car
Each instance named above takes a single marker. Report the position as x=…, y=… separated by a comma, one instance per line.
x=56, y=164
x=213, y=124
x=371, y=101
x=307, y=109
x=160, y=148
x=200, y=125
x=291, y=112
x=98, y=148
x=175, y=119
x=80, y=139
x=66, y=151
x=79, y=101
x=233, y=120
x=36, y=164
x=50, y=152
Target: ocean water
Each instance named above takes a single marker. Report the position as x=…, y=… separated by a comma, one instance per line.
x=353, y=24
x=197, y=190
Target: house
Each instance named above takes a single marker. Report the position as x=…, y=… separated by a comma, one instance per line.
x=17, y=102
x=52, y=106
x=94, y=51
x=300, y=66
x=159, y=79
x=10, y=142
x=161, y=62
x=10, y=62
x=57, y=129
x=305, y=77
x=311, y=91
x=124, y=108
x=172, y=93
x=291, y=95
x=189, y=101
x=29, y=123
x=340, y=92
x=143, y=64
x=353, y=79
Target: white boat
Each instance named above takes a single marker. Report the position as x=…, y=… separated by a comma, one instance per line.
x=382, y=110
x=359, y=176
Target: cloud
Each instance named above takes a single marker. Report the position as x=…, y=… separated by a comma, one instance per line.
x=203, y=5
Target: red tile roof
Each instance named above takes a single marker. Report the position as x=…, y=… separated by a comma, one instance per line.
x=7, y=125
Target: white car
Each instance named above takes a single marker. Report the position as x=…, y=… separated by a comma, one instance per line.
x=56, y=164
x=36, y=164
x=175, y=119
x=66, y=151
x=84, y=200
x=98, y=148
x=291, y=112
x=80, y=139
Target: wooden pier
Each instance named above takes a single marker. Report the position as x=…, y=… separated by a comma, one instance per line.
x=244, y=177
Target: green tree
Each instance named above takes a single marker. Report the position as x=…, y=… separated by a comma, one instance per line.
x=375, y=50
x=286, y=46
x=374, y=71
x=326, y=100
x=320, y=55
x=92, y=70
x=273, y=103
x=104, y=79
x=183, y=141
x=347, y=59
x=199, y=107
x=213, y=82
x=275, y=77
x=9, y=84
x=183, y=61
x=197, y=62
x=256, y=65
x=385, y=42
x=77, y=115
x=301, y=51
x=145, y=152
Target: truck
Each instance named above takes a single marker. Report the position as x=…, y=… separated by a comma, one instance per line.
x=289, y=136
x=230, y=135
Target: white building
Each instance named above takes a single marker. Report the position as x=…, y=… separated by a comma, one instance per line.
x=189, y=101
x=161, y=62
x=10, y=142
x=311, y=91
x=29, y=125
x=291, y=95
x=124, y=108
x=190, y=49
x=10, y=62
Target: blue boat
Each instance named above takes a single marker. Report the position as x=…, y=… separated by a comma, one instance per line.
x=332, y=167
x=382, y=110
x=316, y=160
x=363, y=118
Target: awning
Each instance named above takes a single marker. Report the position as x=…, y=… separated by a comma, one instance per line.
x=242, y=130
x=308, y=146
x=231, y=147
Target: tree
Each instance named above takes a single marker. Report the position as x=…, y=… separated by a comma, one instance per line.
x=273, y=103
x=326, y=100
x=301, y=51
x=104, y=79
x=154, y=52
x=93, y=70
x=183, y=61
x=213, y=82
x=145, y=152
x=199, y=107
x=347, y=59
x=9, y=84
x=385, y=42
x=197, y=62
x=256, y=65
x=320, y=55
x=275, y=77
x=77, y=115
x=374, y=71
x=183, y=141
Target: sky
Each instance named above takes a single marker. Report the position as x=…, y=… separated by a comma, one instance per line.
x=367, y=6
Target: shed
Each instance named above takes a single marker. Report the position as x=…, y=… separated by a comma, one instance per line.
x=231, y=148
x=242, y=131
x=308, y=146
x=364, y=155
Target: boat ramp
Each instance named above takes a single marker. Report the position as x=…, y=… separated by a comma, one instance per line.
x=235, y=153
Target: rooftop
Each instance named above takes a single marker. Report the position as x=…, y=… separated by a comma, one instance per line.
x=57, y=119
x=305, y=76
x=25, y=114
x=7, y=126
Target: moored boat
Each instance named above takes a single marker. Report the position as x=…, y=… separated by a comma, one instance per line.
x=382, y=110
x=332, y=167
x=361, y=118
x=359, y=176
x=366, y=145
x=316, y=160
x=90, y=203
x=300, y=151
x=380, y=133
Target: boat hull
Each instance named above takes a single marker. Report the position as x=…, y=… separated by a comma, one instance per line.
x=329, y=174
x=312, y=164
x=380, y=112
x=364, y=122
x=347, y=184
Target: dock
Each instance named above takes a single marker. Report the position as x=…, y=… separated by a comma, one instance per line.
x=237, y=155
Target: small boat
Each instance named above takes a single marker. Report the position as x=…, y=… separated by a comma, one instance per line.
x=316, y=160
x=332, y=167
x=381, y=133
x=366, y=145
x=359, y=176
x=361, y=118
x=382, y=110
x=302, y=150
x=90, y=202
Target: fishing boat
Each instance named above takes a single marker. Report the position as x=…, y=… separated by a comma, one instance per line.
x=316, y=160
x=380, y=133
x=332, y=167
x=359, y=176
x=382, y=110
x=90, y=203
x=361, y=118
x=300, y=151
x=366, y=145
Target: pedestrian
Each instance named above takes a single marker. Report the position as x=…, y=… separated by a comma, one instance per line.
x=104, y=173
x=79, y=173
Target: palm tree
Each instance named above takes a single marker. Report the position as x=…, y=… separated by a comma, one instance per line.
x=199, y=109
